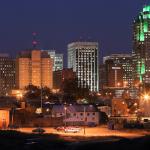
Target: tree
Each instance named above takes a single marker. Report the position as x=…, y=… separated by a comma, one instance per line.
x=34, y=92
x=72, y=91
x=46, y=93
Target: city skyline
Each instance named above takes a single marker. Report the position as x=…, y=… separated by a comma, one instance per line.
x=74, y=74
x=77, y=23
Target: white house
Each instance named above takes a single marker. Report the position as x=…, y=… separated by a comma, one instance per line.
x=77, y=114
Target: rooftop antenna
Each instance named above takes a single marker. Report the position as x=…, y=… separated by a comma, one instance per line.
x=34, y=41
x=34, y=44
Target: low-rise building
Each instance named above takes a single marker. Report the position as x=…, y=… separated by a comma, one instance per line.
x=77, y=114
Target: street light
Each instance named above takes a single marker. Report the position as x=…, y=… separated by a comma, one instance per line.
x=84, y=118
x=65, y=114
x=146, y=97
x=118, y=84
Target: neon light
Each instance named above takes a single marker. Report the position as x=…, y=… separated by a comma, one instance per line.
x=146, y=8
x=143, y=68
x=145, y=26
x=142, y=37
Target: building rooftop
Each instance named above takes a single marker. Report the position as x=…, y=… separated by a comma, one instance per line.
x=74, y=108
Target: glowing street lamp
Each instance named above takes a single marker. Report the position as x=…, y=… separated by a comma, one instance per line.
x=65, y=114
x=19, y=95
x=118, y=84
x=146, y=97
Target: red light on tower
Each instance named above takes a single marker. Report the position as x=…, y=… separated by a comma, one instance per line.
x=34, y=41
x=34, y=33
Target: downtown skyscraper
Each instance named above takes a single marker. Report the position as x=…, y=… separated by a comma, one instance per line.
x=34, y=68
x=83, y=58
x=118, y=70
x=57, y=59
x=7, y=74
x=141, y=46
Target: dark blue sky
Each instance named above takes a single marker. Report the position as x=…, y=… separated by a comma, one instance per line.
x=59, y=22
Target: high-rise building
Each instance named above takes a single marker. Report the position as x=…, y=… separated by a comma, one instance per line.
x=83, y=58
x=7, y=74
x=141, y=46
x=118, y=70
x=34, y=67
x=57, y=58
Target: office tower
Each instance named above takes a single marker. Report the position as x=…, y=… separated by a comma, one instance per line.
x=118, y=70
x=7, y=74
x=83, y=58
x=34, y=67
x=57, y=58
x=141, y=46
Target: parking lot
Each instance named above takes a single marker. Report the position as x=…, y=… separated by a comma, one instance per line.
x=95, y=131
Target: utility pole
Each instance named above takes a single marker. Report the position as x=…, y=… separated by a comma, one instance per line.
x=84, y=119
x=12, y=117
x=65, y=115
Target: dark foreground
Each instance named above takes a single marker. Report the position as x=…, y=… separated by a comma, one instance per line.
x=13, y=140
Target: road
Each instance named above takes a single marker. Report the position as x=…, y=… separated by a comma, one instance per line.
x=100, y=131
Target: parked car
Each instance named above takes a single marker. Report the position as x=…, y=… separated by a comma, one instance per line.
x=68, y=129
x=60, y=129
x=38, y=130
x=72, y=129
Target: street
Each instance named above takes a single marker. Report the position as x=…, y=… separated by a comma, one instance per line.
x=100, y=131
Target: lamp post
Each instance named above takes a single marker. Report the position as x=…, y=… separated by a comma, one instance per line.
x=65, y=115
x=144, y=104
x=84, y=118
x=41, y=100
x=12, y=116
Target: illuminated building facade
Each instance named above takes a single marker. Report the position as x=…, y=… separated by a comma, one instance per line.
x=57, y=60
x=118, y=70
x=34, y=67
x=7, y=74
x=83, y=58
x=141, y=46
x=4, y=118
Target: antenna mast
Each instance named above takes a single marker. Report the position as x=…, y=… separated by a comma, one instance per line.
x=34, y=41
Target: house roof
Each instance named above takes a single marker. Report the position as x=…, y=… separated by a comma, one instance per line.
x=74, y=108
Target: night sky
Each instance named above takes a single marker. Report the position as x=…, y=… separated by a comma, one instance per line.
x=59, y=22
